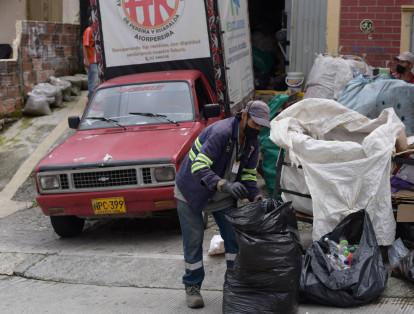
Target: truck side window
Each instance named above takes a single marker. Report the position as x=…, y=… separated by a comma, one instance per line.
x=202, y=95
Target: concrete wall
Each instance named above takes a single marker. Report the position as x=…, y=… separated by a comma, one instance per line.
x=44, y=10
x=70, y=11
x=10, y=12
x=384, y=43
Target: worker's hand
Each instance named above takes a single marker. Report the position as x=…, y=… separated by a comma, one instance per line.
x=235, y=189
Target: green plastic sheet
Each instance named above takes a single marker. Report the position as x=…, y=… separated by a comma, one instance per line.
x=268, y=149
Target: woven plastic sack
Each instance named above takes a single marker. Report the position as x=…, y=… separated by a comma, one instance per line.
x=329, y=75
x=84, y=79
x=345, y=159
x=76, y=83
x=37, y=105
x=64, y=85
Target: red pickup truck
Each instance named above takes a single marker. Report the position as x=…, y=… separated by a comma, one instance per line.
x=195, y=64
x=129, y=142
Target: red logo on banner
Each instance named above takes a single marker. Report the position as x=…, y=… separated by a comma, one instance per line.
x=150, y=13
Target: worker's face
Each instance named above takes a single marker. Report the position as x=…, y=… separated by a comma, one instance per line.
x=250, y=128
x=253, y=125
x=403, y=66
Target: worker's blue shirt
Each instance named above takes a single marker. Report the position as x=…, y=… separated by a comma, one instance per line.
x=208, y=159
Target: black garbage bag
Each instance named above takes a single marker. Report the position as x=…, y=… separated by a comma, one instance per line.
x=405, y=230
x=265, y=277
x=362, y=283
x=401, y=261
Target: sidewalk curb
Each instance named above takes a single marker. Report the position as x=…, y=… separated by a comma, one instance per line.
x=8, y=206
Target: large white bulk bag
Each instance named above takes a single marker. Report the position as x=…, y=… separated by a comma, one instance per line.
x=346, y=161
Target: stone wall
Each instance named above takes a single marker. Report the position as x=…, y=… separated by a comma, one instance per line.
x=41, y=49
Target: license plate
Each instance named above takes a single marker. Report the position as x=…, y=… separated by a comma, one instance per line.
x=110, y=205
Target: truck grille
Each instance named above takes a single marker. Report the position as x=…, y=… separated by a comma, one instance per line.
x=146, y=175
x=121, y=177
x=64, y=183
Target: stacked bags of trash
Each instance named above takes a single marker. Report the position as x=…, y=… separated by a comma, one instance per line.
x=265, y=277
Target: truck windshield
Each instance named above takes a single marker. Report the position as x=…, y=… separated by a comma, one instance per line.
x=171, y=100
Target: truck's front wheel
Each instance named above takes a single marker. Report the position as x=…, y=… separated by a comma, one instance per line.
x=67, y=226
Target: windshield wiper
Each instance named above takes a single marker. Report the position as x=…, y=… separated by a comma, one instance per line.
x=110, y=120
x=154, y=115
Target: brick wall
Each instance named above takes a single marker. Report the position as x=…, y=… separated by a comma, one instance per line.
x=10, y=95
x=45, y=49
x=384, y=43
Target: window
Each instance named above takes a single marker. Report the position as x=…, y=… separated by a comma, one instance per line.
x=203, y=97
x=169, y=100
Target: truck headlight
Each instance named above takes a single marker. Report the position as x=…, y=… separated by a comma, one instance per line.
x=49, y=182
x=164, y=174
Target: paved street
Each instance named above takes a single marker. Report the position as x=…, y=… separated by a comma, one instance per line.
x=115, y=266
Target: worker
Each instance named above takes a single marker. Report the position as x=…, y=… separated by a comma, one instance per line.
x=219, y=169
x=89, y=58
x=404, y=67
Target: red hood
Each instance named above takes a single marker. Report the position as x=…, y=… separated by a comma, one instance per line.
x=112, y=145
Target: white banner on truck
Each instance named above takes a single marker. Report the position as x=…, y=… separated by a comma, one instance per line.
x=148, y=31
x=234, y=18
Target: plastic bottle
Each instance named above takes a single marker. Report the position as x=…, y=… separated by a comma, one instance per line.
x=350, y=257
x=333, y=246
x=340, y=255
x=343, y=246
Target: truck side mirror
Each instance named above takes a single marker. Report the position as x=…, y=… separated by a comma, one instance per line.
x=212, y=110
x=73, y=122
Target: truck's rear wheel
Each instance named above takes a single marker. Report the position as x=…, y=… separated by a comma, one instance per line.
x=67, y=226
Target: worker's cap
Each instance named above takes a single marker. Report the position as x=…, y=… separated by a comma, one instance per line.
x=406, y=56
x=259, y=112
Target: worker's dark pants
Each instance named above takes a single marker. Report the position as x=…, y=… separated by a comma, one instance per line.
x=192, y=229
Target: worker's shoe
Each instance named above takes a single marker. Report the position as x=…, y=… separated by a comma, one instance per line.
x=193, y=297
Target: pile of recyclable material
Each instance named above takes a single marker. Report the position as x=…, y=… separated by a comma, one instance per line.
x=401, y=260
x=345, y=267
x=340, y=254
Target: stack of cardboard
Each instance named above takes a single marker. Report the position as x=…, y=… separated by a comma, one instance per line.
x=404, y=200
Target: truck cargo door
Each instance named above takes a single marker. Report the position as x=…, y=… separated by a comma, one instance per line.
x=234, y=17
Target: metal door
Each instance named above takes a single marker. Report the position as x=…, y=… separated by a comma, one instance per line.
x=306, y=32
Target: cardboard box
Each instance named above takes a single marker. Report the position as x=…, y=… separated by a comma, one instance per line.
x=405, y=213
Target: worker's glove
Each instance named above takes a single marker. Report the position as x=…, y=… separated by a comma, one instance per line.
x=235, y=189
x=258, y=197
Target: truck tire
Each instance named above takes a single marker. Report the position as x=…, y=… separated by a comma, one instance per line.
x=67, y=226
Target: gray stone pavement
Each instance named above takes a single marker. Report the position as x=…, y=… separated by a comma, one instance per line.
x=116, y=266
